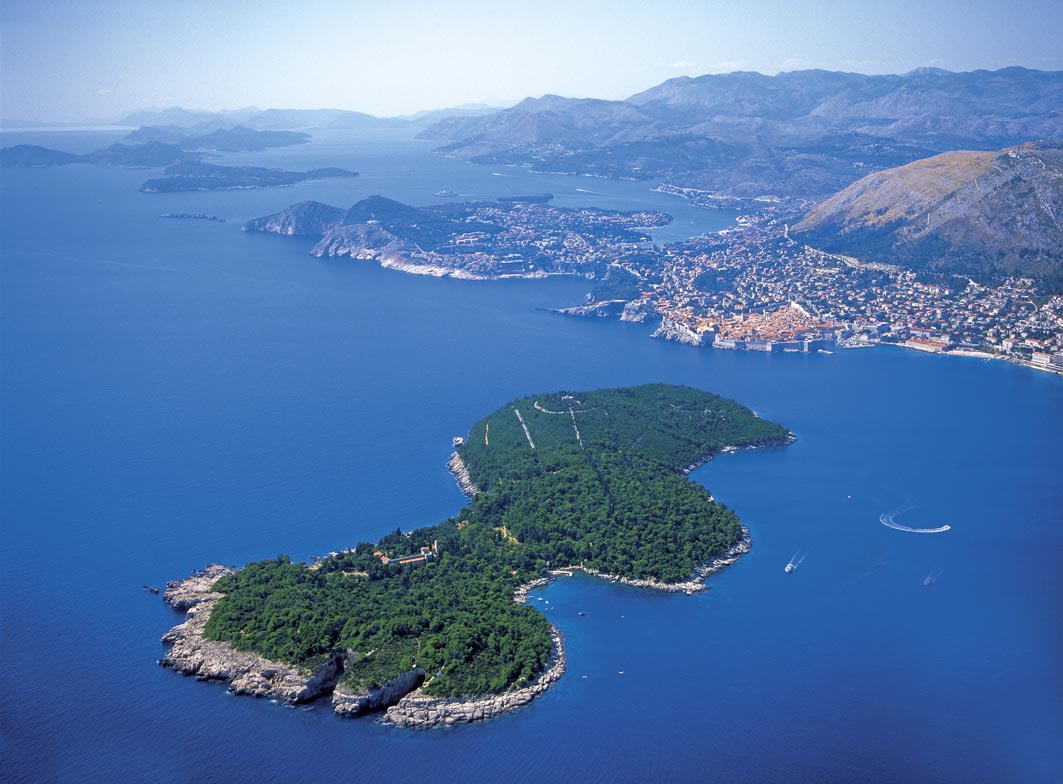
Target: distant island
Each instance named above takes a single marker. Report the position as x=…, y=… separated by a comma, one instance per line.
x=136, y=156
x=153, y=146
x=290, y=119
x=185, y=171
x=197, y=176
x=206, y=216
x=431, y=624
x=33, y=156
x=515, y=236
x=222, y=139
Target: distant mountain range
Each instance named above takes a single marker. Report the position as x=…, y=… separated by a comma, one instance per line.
x=205, y=136
x=803, y=134
x=292, y=119
x=146, y=155
x=984, y=214
x=155, y=145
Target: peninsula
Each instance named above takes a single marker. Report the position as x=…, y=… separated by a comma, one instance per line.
x=764, y=285
x=515, y=236
x=431, y=624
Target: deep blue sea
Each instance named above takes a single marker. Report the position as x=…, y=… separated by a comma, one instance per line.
x=177, y=393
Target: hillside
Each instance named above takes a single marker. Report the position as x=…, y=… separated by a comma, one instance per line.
x=801, y=134
x=984, y=214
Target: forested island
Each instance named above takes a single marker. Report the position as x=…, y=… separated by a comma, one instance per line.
x=197, y=176
x=594, y=481
x=154, y=146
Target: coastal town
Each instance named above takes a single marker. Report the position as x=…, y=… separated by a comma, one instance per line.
x=755, y=288
x=752, y=287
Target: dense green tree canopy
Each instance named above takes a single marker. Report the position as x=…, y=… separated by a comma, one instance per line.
x=590, y=478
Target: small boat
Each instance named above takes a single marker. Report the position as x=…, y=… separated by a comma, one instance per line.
x=582, y=614
x=151, y=588
x=793, y=563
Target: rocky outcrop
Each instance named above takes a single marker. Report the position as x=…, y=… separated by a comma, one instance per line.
x=362, y=240
x=305, y=219
x=420, y=710
x=371, y=242
x=636, y=311
x=610, y=308
x=247, y=673
x=348, y=703
x=736, y=551
x=681, y=333
x=461, y=474
x=418, y=264
x=183, y=594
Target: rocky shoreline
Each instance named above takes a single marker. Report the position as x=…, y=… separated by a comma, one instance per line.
x=678, y=332
x=191, y=653
x=731, y=449
x=418, y=710
x=695, y=584
x=247, y=673
x=349, y=704
x=461, y=475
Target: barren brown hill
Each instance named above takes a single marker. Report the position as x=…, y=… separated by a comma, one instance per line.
x=987, y=215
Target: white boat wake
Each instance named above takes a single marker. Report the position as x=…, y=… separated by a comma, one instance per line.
x=888, y=520
x=794, y=562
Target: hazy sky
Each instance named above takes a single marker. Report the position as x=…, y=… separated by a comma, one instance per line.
x=76, y=59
